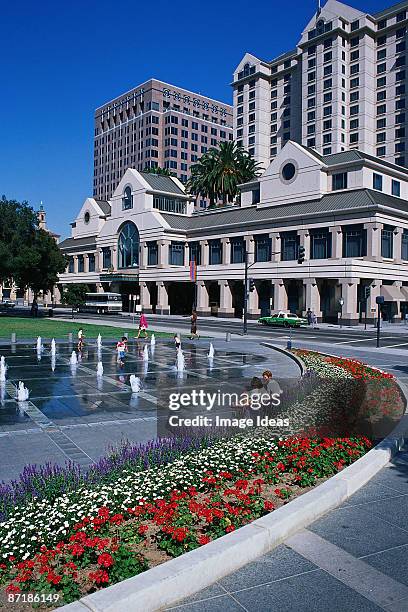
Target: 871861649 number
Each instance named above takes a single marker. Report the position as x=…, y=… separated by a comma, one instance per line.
x=33, y=597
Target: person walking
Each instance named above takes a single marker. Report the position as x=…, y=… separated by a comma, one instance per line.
x=193, y=330
x=143, y=325
x=309, y=316
x=271, y=386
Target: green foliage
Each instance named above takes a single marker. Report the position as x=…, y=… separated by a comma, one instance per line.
x=159, y=171
x=28, y=255
x=218, y=173
x=74, y=295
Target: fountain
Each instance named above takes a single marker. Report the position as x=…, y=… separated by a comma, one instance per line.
x=152, y=341
x=53, y=347
x=135, y=383
x=22, y=392
x=99, y=341
x=73, y=360
x=3, y=369
x=39, y=345
x=53, y=362
x=211, y=352
x=99, y=370
x=145, y=353
x=180, y=364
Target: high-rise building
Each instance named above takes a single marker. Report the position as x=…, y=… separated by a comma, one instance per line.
x=343, y=87
x=155, y=124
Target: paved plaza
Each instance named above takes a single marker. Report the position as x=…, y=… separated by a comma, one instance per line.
x=74, y=415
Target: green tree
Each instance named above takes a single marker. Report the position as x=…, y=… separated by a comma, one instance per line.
x=74, y=295
x=159, y=170
x=28, y=255
x=218, y=173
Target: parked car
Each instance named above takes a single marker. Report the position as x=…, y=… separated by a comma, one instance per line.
x=283, y=319
x=7, y=304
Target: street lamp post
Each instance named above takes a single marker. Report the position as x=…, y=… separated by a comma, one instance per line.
x=379, y=300
x=341, y=302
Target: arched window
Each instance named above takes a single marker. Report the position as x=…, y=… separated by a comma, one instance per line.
x=127, y=200
x=128, y=246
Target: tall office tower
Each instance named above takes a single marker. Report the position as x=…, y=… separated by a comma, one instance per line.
x=343, y=87
x=155, y=124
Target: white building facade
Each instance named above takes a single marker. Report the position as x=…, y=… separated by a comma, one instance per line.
x=343, y=87
x=349, y=210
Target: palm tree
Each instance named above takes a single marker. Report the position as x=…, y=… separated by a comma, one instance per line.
x=219, y=172
x=158, y=170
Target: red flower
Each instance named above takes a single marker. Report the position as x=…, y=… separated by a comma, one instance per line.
x=203, y=540
x=105, y=559
x=230, y=528
x=180, y=534
x=100, y=576
x=12, y=588
x=143, y=529
x=268, y=505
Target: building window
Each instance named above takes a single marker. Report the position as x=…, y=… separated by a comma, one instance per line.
x=339, y=181
x=168, y=204
x=152, y=253
x=237, y=250
x=289, y=246
x=128, y=246
x=320, y=247
x=176, y=253
x=106, y=257
x=404, y=245
x=127, y=200
x=195, y=252
x=91, y=262
x=81, y=263
x=215, y=252
x=396, y=188
x=381, y=151
x=377, y=181
x=262, y=248
x=354, y=138
x=354, y=241
x=387, y=238
x=71, y=267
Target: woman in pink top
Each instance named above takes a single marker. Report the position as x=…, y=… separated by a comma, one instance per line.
x=142, y=326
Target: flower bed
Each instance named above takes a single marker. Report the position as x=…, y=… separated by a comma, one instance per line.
x=116, y=532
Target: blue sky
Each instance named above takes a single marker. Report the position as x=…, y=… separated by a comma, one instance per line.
x=60, y=60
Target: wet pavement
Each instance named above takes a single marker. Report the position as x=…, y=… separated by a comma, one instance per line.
x=73, y=414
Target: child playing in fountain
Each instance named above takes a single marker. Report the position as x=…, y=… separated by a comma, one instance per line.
x=177, y=341
x=121, y=348
x=81, y=337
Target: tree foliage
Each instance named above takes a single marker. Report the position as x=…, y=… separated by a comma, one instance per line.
x=218, y=173
x=74, y=295
x=159, y=170
x=28, y=255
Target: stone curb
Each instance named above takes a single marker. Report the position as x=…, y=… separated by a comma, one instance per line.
x=166, y=584
x=295, y=358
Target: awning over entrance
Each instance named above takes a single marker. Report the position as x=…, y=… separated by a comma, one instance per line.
x=404, y=292
x=392, y=293
x=118, y=277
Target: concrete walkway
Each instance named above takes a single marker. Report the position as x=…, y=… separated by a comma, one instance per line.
x=353, y=559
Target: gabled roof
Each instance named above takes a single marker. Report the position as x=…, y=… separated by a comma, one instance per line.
x=390, y=10
x=71, y=244
x=158, y=182
x=104, y=205
x=350, y=156
x=330, y=204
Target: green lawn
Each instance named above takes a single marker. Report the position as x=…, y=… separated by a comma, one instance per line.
x=52, y=328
